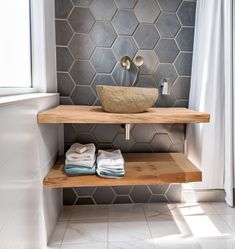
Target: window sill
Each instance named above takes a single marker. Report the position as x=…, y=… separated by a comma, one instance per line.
x=6, y=100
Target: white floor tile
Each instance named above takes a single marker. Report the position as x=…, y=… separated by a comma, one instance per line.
x=131, y=245
x=230, y=220
x=128, y=229
x=207, y=226
x=89, y=212
x=167, y=226
x=222, y=208
x=217, y=243
x=66, y=213
x=155, y=209
x=86, y=246
x=58, y=234
x=86, y=231
x=126, y=211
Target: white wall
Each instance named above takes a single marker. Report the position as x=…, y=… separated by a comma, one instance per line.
x=28, y=212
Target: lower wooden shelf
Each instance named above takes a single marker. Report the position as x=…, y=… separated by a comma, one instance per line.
x=141, y=169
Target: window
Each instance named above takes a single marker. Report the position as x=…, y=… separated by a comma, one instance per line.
x=15, y=45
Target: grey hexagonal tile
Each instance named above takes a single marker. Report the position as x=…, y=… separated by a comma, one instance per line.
x=183, y=64
x=150, y=61
x=70, y=134
x=186, y=13
x=125, y=22
x=181, y=88
x=165, y=71
x=166, y=100
x=82, y=72
x=65, y=101
x=85, y=201
x=81, y=46
x=124, y=45
x=105, y=133
x=62, y=8
x=103, y=9
x=181, y=103
x=83, y=95
x=85, y=191
x=82, y=3
x=158, y=198
x=161, y=143
x=81, y=20
x=143, y=133
x=65, y=84
x=162, y=128
x=185, y=38
x=124, y=4
x=177, y=133
x=174, y=193
x=122, y=190
x=103, y=79
x=121, y=143
x=86, y=138
x=167, y=25
x=69, y=196
x=147, y=11
x=122, y=199
x=124, y=77
x=140, y=194
x=169, y=5
x=103, y=60
x=158, y=189
x=146, y=81
x=146, y=36
x=84, y=128
x=103, y=34
x=64, y=59
x=106, y=146
x=141, y=147
x=166, y=50
x=104, y=195
x=63, y=32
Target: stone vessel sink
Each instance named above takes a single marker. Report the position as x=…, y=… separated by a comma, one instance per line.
x=117, y=99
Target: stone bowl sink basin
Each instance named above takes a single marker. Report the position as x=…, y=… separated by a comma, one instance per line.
x=119, y=99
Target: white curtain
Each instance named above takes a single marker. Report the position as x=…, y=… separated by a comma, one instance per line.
x=210, y=146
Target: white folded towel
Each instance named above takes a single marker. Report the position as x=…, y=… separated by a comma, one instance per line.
x=87, y=164
x=88, y=155
x=110, y=160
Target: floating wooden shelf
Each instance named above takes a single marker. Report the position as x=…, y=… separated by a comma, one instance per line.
x=141, y=169
x=94, y=115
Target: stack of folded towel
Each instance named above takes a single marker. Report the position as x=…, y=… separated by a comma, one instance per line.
x=80, y=160
x=110, y=164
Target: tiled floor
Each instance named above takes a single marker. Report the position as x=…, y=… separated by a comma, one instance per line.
x=146, y=226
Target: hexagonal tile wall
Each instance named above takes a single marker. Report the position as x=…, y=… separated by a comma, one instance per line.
x=146, y=36
x=81, y=46
x=63, y=32
x=81, y=20
x=103, y=34
x=103, y=9
x=125, y=22
x=91, y=38
x=147, y=11
x=166, y=50
x=82, y=72
x=169, y=5
x=168, y=25
x=124, y=45
x=124, y=4
x=103, y=60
